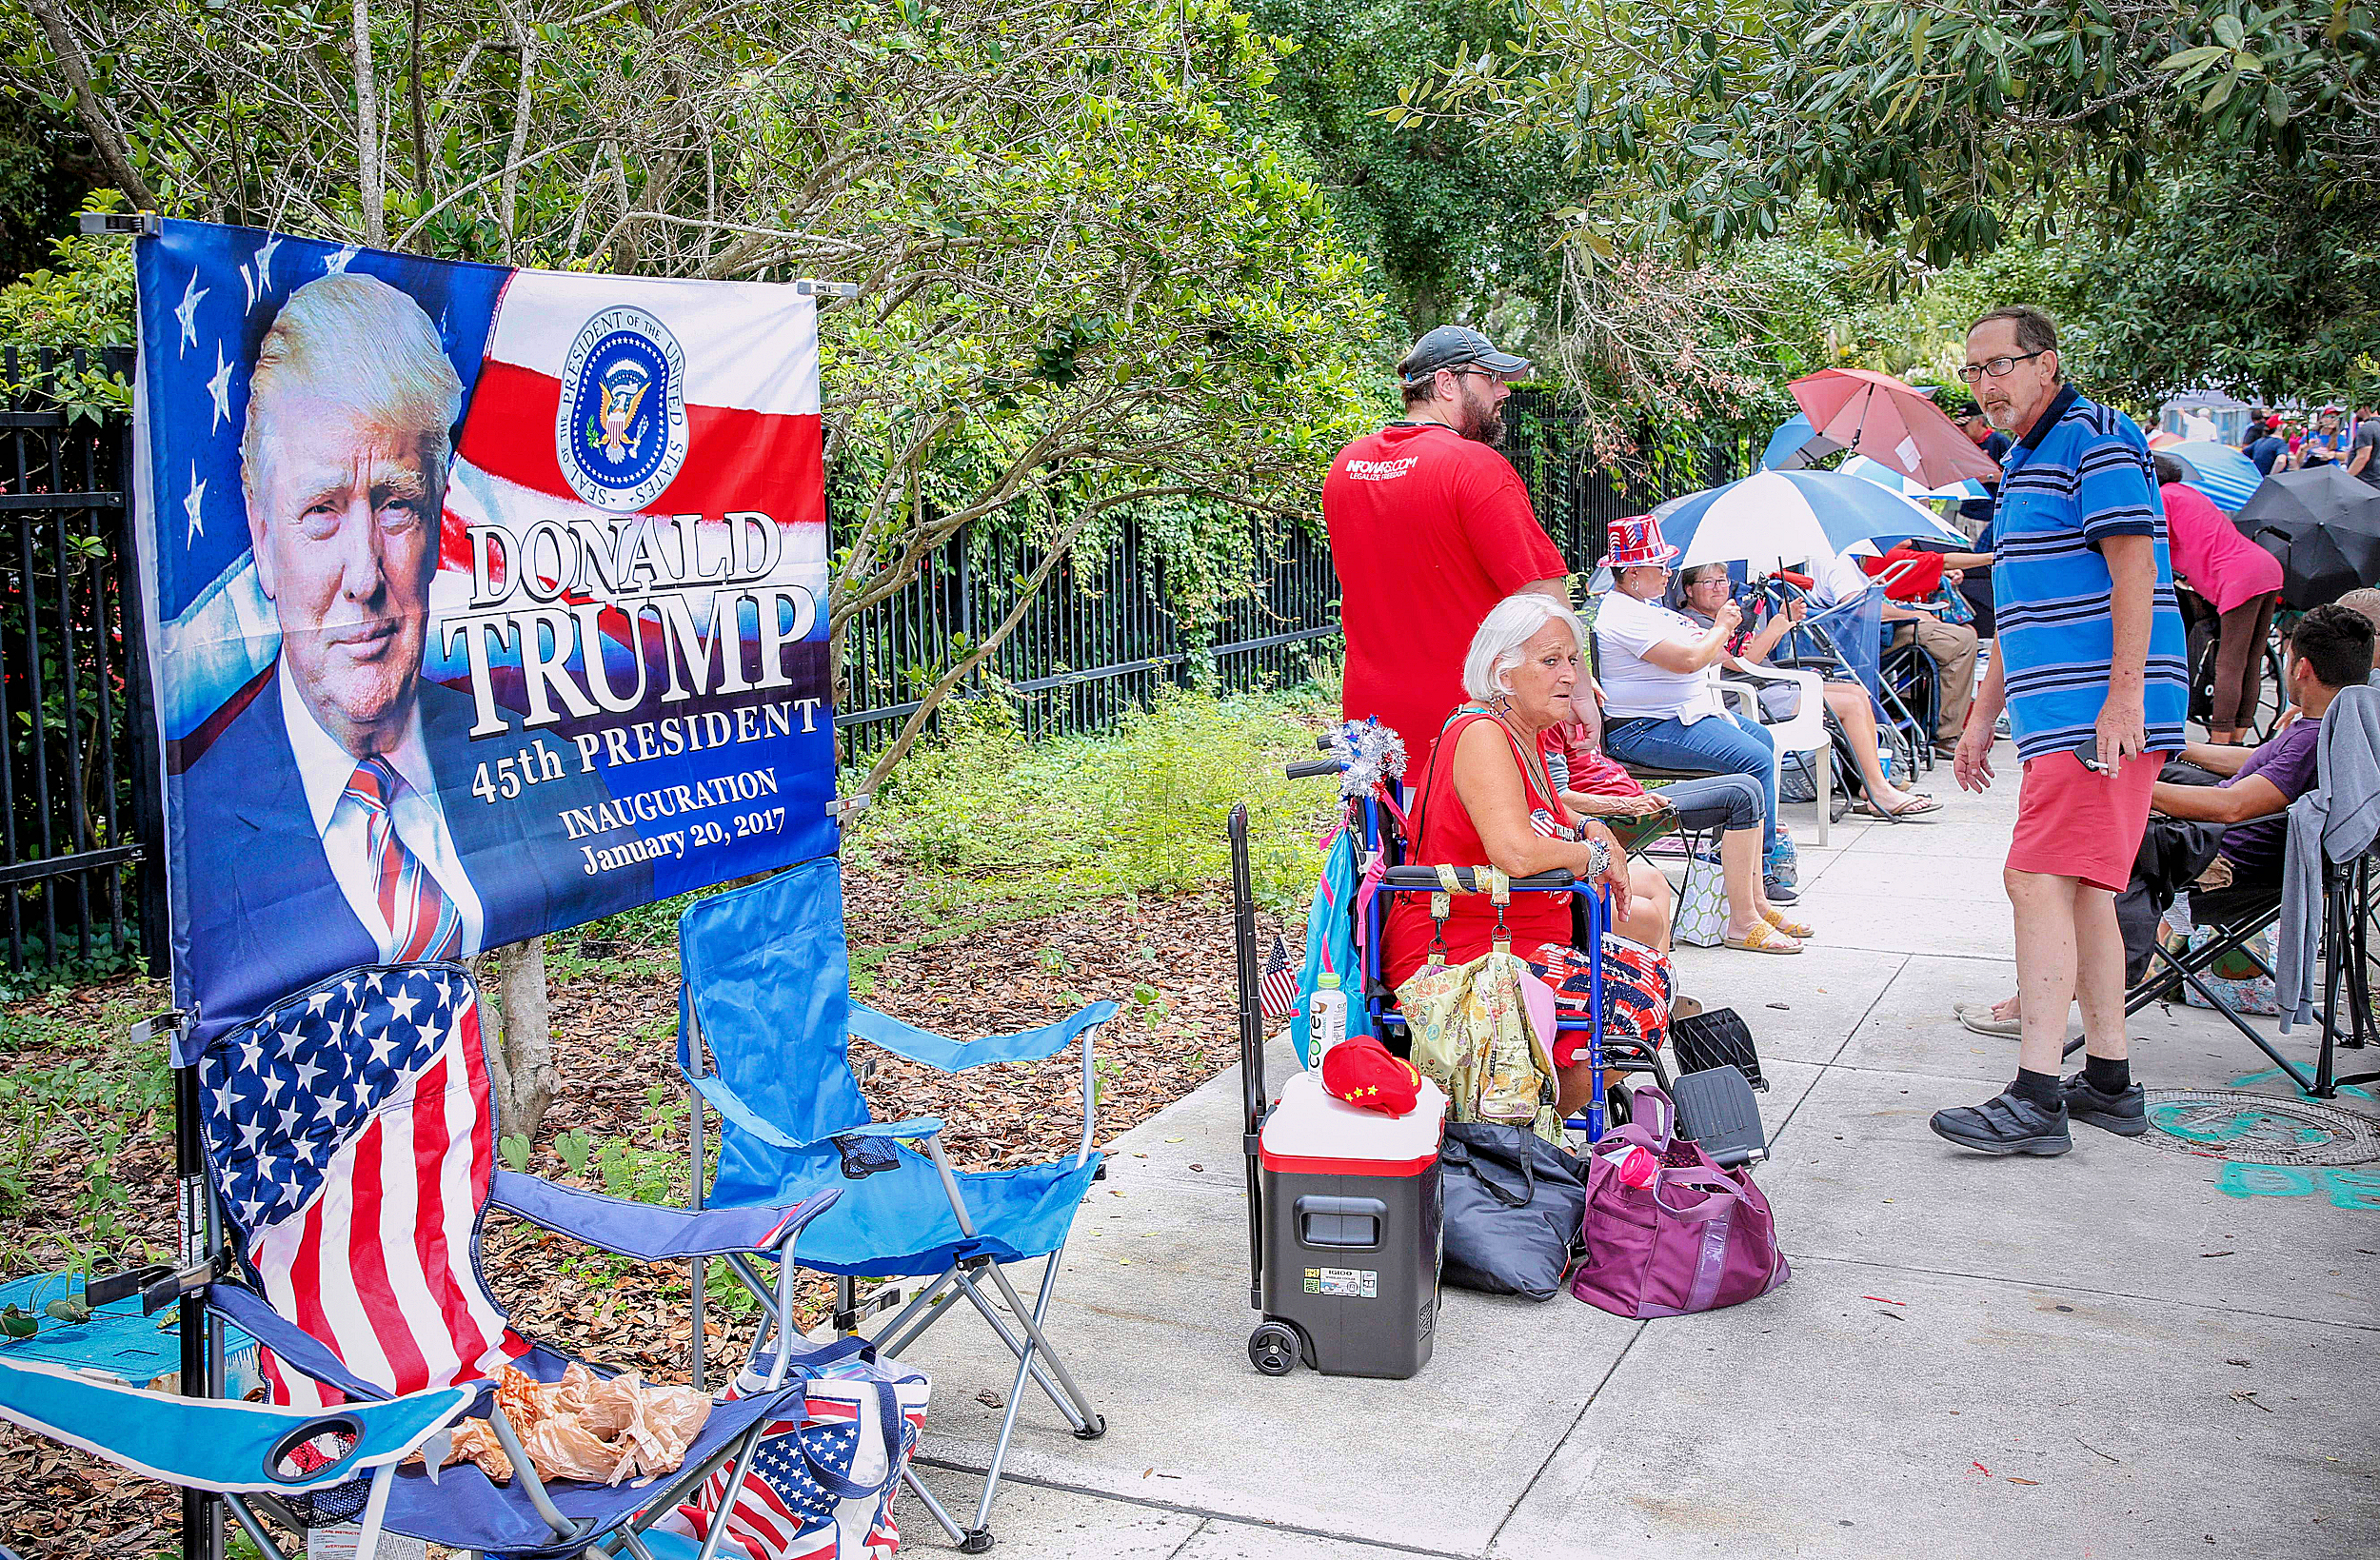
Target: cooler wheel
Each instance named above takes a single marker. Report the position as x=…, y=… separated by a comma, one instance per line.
x=1274, y=1348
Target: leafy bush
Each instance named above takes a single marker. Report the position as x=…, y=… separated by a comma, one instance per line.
x=1141, y=809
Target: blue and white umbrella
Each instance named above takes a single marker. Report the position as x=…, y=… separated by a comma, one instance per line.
x=2219, y=471
x=1795, y=445
x=1771, y=518
x=1909, y=487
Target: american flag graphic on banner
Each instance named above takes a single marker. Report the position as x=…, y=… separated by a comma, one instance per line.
x=353, y=1140
x=1277, y=989
x=783, y=1511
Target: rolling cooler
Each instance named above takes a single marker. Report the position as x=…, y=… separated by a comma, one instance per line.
x=1343, y=1204
x=1348, y=1259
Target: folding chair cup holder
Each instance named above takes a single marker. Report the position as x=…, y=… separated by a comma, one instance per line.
x=1716, y=1038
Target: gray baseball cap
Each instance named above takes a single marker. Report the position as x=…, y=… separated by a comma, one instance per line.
x=1458, y=346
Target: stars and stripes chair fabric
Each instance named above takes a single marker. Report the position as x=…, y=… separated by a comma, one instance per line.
x=349, y=1136
x=765, y=1021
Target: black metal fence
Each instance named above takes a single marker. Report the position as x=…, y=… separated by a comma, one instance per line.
x=1577, y=497
x=1103, y=634
x=81, y=827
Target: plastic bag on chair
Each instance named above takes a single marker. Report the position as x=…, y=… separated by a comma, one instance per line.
x=1473, y=1038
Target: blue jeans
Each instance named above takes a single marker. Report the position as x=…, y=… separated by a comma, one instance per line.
x=1716, y=745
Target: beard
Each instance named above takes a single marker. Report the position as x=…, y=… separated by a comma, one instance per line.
x=1481, y=422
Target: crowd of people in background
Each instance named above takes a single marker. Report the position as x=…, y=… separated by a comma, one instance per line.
x=2100, y=573
x=2288, y=441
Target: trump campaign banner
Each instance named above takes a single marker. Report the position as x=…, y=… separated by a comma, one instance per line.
x=481, y=601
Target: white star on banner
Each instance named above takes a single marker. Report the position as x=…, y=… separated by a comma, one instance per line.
x=220, y=387
x=307, y=1072
x=337, y=263
x=247, y=280
x=187, y=313
x=192, y=504
x=263, y=263
x=402, y=1006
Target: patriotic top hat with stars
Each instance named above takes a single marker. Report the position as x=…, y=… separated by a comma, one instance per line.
x=1637, y=543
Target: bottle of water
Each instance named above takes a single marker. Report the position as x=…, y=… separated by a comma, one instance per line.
x=1326, y=1013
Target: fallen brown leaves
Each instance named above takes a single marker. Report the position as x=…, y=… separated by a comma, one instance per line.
x=1167, y=962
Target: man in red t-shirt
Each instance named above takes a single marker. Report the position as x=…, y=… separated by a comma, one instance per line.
x=1430, y=527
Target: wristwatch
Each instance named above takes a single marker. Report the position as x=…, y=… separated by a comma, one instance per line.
x=1598, y=858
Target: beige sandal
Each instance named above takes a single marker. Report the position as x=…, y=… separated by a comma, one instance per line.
x=1765, y=939
x=1791, y=928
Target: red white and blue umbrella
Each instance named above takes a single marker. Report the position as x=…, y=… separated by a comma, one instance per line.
x=1771, y=518
x=1909, y=487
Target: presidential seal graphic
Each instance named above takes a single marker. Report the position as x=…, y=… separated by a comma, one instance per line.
x=621, y=429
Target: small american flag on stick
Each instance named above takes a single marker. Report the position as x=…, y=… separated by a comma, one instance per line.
x=1277, y=989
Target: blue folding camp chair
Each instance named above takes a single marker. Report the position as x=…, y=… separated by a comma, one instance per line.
x=765, y=1024
x=349, y=1145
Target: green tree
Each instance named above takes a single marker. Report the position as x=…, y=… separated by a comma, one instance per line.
x=1927, y=122
x=1459, y=228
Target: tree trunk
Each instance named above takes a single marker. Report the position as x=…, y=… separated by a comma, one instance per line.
x=369, y=190
x=521, y=1060
x=114, y=150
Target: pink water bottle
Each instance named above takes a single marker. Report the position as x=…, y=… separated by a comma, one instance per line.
x=1635, y=1165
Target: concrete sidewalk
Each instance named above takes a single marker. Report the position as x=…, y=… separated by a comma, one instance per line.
x=2129, y=1351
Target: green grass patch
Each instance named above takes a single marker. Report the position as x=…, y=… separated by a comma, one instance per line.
x=984, y=820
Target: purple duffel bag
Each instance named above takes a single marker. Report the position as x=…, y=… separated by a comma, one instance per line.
x=1697, y=1239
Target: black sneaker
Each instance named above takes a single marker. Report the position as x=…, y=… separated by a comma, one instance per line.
x=2124, y=1113
x=2006, y=1123
x=1776, y=893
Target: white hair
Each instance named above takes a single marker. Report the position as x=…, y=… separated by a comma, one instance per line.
x=1511, y=624
x=360, y=343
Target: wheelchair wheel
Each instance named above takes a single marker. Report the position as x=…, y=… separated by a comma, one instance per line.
x=1275, y=1348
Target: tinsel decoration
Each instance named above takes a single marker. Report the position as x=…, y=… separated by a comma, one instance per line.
x=1369, y=755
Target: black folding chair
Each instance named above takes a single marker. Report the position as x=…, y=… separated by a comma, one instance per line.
x=2242, y=915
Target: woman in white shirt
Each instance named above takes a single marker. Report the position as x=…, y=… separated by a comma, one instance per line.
x=1660, y=674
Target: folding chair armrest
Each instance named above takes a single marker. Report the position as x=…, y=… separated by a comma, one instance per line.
x=650, y=1233
x=208, y=1444
x=918, y=1045
x=916, y=1126
x=288, y=1343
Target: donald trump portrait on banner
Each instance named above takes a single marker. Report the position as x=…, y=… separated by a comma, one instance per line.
x=334, y=810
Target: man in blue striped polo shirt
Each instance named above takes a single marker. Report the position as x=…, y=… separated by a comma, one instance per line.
x=2090, y=666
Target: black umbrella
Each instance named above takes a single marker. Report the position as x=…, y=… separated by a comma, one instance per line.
x=2323, y=525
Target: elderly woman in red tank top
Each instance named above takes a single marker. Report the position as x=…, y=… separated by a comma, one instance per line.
x=1485, y=798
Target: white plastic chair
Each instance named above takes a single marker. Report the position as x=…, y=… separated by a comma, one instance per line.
x=1804, y=733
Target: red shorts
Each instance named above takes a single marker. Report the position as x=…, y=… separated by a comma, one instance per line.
x=2073, y=823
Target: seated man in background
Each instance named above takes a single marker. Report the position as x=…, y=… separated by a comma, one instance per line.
x=1950, y=646
x=2234, y=867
